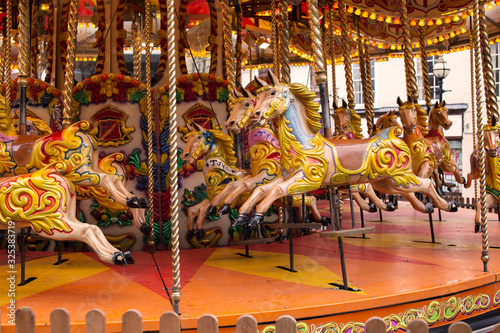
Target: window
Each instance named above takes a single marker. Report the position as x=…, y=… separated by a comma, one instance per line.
x=358, y=86
x=495, y=57
x=432, y=79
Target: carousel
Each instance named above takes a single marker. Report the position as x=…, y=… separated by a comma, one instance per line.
x=156, y=155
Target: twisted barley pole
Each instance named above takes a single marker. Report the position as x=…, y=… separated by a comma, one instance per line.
x=228, y=52
x=369, y=110
x=284, y=43
x=347, y=55
x=275, y=37
x=319, y=63
x=480, y=137
x=23, y=62
x=411, y=77
x=425, y=71
x=364, y=80
x=6, y=50
x=69, y=74
x=137, y=52
x=332, y=54
x=174, y=188
x=473, y=101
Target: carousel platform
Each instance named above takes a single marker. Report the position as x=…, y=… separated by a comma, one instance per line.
x=400, y=273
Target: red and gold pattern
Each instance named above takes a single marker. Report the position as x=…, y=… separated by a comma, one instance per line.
x=118, y=87
x=63, y=31
x=121, y=40
x=40, y=199
x=162, y=41
x=99, y=36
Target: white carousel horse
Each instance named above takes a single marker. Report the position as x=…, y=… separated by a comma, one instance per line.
x=45, y=201
x=309, y=161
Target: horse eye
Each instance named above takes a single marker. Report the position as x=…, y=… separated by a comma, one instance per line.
x=273, y=92
x=199, y=136
x=247, y=104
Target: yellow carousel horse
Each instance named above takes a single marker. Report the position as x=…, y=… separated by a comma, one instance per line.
x=264, y=164
x=429, y=148
x=45, y=201
x=219, y=169
x=309, y=161
x=492, y=153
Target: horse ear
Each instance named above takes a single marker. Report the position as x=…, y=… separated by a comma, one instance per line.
x=260, y=83
x=273, y=78
x=190, y=126
x=198, y=128
x=400, y=102
x=246, y=93
x=443, y=104
x=344, y=104
x=335, y=107
x=237, y=93
x=391, y=113
x=436, y=105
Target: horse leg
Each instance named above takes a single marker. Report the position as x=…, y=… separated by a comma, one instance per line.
x=192, y=213
x=310, y=202
x=246, y=186
x=200, y=220
x=385, y=187
x=370, y=193
x=490, y=202
x=360, y=201
x=279, y=191
x=219, y=198
x=257, y=195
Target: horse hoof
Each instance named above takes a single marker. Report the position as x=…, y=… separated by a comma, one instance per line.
x=212, y=210
x=429, y=208
x=143, y=203
x=200, y=233
x=191, y=233
x=240, y=220
x=390, y=207
x=258, y=218
x=225, y=209
x=135, y=202
x=129, y=258
x=477, y=228
x=325, y=221
x=464, y=181
x=452, y=207
x=145, y=229
x=119, y=259
x=372, y=208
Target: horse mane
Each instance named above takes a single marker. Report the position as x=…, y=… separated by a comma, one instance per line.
x=6, y=118
x=226, y=145
x=422, y=119
x=306, y=97
x=356, y=124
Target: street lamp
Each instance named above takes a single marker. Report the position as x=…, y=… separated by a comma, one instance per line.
x=440, y=71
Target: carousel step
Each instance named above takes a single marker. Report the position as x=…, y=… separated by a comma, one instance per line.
x=254, y=241
x=313, y=225
x=347, y=232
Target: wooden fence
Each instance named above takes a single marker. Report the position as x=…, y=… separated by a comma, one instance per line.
x=95, y=322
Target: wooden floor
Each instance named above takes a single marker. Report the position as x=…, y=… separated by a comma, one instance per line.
x=400, y=273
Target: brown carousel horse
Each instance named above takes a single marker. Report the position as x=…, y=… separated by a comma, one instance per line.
x=387, y=120
x=264, y=163
x=348, y=124
x=100, y=179
x=45, y=201
x=429, y=148
x=492, y=154
x=309, y=161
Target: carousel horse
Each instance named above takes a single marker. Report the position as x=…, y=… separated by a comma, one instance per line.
x=492, y=154
x=308, y=161
x=23, y=154
x=219, y=169
x=45, y=201
x=387, y=120
x=264, y=163
x=429, y=148
x=348, y=124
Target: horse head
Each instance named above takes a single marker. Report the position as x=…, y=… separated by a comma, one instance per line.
x=408, y=115
x=439, y=116
x=492, y=138
x=347, y=121
x=199, y=142
x=243, y=105
x=387, y=120
x=274, y=99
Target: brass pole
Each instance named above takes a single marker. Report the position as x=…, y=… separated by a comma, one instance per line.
x=23, y=62
x=7, y=49
x=369, y=110
x=347, y=55
x=332, y=55
x=473, y=101
x=411, y=78
x=69, y=74
x=284, y=43
x=137, y=51
x=425, y=70
x=228, y=52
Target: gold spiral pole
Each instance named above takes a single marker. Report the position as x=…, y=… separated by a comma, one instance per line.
x=319, y=63
x=347, y=55
x=228, y=52
x=480, y=137
x=325, y=54
x=6, y=50
x=69, y=73
x=369, y=110
x=489, y=80
x=362, y=71
x=473, y=101
x=23, y=62
x=275, y=38
x=425, y=70
x=174, y=188
x=284, y=43
x=332, y=54
x=239, y=43
x=34, y=42
x=149, y=119
x=411, y=77
x=137, y=52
